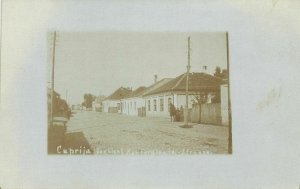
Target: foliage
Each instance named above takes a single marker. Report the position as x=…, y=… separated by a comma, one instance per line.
x=88, y=100
x=221, y=74
x=216, y=98
x=200, y=99
x=203, y=98
x=59, y=106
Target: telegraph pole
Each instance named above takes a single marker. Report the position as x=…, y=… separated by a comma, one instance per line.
x=229, y=101
x=186, y=124
x=52, y=80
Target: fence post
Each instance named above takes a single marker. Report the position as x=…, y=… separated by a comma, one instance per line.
x=200, y=112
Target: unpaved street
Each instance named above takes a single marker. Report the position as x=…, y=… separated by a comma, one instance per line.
x=109, y=133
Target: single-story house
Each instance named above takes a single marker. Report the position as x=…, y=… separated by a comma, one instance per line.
x=98, y=103
x=112, y=103
x=133, y=103
x=200, y=85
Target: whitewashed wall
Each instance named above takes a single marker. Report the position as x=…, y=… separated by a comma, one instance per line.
x=224, y=104
x=158, y=112
x=130, y=106
x=109, y=103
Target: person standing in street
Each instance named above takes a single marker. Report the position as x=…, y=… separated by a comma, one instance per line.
x=172, y=111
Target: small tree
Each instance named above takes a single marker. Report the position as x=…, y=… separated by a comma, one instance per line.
x=218, y=72
x=216, y=98
x=224, y=74
x=221, y=74
x=200, y=99
x=88, y=100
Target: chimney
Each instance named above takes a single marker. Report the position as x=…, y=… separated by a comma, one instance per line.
x=205, y=69
x=155, y=78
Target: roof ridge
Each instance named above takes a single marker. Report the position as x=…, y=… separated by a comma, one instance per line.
x=135, y=93
x=179, y=81
x=117, y=92
x=155, y=87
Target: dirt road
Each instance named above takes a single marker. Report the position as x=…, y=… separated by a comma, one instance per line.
x=109, y=133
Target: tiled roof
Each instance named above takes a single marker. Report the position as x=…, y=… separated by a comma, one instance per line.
x=119, y=94
x=156, y=85
x=197, y=82
x=138, y=92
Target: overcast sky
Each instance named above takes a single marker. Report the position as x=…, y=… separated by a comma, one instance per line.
x=101, y=62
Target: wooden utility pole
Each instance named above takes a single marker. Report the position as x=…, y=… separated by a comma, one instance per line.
x=187, y=85
x=52, y=80
x=229, y=102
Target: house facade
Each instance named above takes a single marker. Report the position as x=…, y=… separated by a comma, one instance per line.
x=98, y=103
x=202, y=87
x=112, y=104
x=159, y=104
x=133, y=103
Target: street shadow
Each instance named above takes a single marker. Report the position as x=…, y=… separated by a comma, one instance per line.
x=56, y=135
x=61, y=143
x=188, y=126
x=77, y=142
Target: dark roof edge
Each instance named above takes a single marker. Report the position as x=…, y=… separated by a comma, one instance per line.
x=177, y=90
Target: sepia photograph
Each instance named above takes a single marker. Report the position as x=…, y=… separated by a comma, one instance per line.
x=149, y=94
x=138, y=93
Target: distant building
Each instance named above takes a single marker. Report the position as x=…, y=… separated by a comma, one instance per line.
x=158, y=100
x=129, y=102
x=97, y=104
x=112, y=103
x=133, y=103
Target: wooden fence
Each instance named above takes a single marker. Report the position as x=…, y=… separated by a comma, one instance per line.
x=142, y=112
x=206, y=113
x=113, y=109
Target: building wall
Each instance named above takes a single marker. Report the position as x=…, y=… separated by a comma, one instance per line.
x=177, y=99
x=130, y=106
x=161, y=109
x=107, y=104
x=98, y=107
x=224, y=104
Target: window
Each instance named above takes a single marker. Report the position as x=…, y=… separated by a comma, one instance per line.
x=169, y=102
x=161, y=104
x=131, y=105
x=134, y=105
x=149, y=105
x=154, y=105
